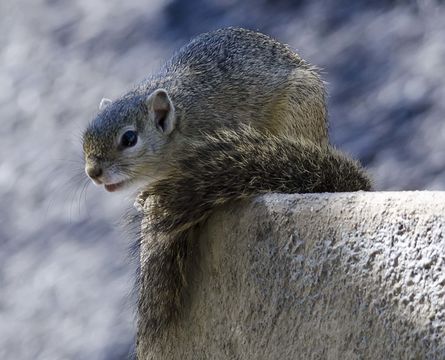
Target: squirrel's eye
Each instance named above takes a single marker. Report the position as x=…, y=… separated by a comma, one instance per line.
x=129, y=139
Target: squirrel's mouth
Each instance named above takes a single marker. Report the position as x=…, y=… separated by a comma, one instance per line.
x=114, y=187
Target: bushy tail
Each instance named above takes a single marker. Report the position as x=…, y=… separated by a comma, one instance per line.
x=236, y=164
x=162, y=282
x=229, y=165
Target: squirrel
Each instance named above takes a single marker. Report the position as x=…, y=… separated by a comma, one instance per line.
x=221, y=79
x=233, y=114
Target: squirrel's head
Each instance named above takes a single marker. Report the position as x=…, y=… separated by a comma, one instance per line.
x=124, y=144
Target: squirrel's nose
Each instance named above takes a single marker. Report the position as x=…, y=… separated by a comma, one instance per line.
x=93, y=172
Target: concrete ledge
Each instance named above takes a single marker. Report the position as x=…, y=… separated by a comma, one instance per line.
x=321, y=276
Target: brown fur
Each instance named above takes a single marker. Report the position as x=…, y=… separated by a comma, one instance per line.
x=235, y=164
x=236, y=76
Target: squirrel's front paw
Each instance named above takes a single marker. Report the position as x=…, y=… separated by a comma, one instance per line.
x=139, y=202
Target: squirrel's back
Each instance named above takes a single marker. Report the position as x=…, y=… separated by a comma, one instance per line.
x=232, y=76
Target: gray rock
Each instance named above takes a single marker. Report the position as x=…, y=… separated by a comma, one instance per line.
x=330, y=276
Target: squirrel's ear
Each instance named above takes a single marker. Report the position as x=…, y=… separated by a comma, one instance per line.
x=163, y=111
x=104, y=103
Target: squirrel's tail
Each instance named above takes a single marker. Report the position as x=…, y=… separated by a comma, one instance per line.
x=161, y=285
x=241, y=163
x=229, y=165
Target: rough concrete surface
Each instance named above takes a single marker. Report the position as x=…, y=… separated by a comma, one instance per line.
x=324, y=276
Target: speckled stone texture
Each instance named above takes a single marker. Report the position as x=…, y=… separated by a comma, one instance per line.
x=324, y=276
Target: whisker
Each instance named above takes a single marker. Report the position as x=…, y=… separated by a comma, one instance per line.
x=64, y=167
x=81, y=183
x=83, y=192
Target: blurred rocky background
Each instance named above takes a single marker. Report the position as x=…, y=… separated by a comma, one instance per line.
x=65, y=273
